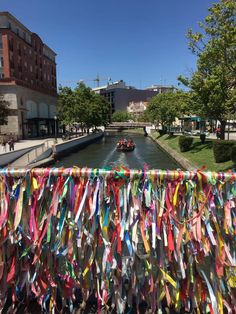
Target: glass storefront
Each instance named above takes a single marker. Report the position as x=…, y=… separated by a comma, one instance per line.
x=37, y=127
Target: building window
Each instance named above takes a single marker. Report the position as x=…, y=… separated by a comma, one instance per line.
x=0, y=41
x=11, y=44
x=1, y=62
x=9, y=25
x=12, y=65
x=17, y=31
x=31, y=68
x=19, y=50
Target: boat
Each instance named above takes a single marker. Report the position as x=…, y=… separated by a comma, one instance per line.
x=125, y=146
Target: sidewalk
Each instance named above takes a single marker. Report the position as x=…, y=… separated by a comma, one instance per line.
x=232, y=136
x=30, y=143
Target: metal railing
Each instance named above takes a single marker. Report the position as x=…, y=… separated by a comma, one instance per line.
x=35, y=153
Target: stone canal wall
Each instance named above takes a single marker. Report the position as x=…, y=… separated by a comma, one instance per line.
x=8, y=158
x=67, y=147
x=182, y=161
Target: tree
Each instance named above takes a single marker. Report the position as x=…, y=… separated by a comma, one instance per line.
x=164, y=108
x=213, y=83
x=4, y=110
x=93, y=109
x=100, y=111
x=144, y=117
x=121, y=116
x=67, y=106
x=82, y=106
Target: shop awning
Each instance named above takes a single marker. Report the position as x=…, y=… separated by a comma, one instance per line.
x=198, y=119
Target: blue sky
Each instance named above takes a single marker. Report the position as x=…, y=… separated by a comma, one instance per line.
x=141, y=42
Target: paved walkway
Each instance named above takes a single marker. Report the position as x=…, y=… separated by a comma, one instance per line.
x=28, y=143
x=232, y=136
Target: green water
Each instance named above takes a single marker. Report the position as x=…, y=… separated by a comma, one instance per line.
x=103, y=153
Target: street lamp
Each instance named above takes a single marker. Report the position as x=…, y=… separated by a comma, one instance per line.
x=55, y=119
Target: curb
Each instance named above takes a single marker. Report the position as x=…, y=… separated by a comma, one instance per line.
x=182, y=161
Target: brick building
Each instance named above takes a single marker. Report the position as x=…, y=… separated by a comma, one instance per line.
x=27, y=80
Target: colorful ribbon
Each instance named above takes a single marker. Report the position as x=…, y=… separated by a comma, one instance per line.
x=126, y=235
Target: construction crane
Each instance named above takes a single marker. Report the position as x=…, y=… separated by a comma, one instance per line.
x=97, y=80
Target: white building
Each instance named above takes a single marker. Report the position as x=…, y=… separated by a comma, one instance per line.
x=137, y=108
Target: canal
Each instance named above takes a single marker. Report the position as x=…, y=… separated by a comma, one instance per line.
x=103, y=153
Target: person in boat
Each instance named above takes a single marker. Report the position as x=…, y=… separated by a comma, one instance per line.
x=130, y=143
x=121, y=143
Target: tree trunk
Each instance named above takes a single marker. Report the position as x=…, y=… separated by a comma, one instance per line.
x=222, y=127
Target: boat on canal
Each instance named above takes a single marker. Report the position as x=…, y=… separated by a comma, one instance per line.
x=125, y=145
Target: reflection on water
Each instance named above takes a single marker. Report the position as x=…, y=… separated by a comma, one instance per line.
x=103, y=153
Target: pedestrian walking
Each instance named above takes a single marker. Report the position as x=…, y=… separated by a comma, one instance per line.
x=218, y=132
x=3, y=144
x=11, y=144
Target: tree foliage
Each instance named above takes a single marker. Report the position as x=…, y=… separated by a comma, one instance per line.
x=213, y=83
x=144, y=117
x=81, y=105
x=4, y=110
x=121, y=116
x=164, y=108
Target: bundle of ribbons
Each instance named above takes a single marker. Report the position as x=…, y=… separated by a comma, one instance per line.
x=126, y=236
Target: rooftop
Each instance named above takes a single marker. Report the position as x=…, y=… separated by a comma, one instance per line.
x=17, y=22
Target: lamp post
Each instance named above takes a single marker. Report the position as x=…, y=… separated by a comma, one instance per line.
x=55, y=119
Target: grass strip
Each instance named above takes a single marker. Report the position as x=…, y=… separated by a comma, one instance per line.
x=200, y=154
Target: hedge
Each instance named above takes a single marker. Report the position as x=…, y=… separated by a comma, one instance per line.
x=222, y=150
x=185, y=143
x=233, y=154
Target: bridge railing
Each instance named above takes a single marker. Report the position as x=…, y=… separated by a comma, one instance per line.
x=130, y=124
x=130, y=235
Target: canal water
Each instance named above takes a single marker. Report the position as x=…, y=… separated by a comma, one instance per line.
x=103, y=153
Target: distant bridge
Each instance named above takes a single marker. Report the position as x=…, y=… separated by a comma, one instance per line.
x=127, y=125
